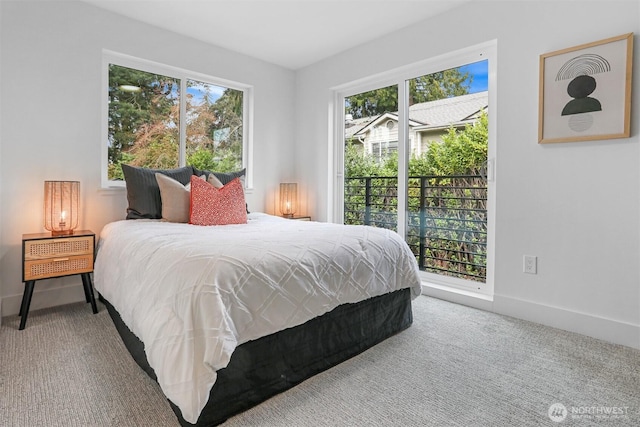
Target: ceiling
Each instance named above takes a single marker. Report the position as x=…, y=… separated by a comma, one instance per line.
x=290, y=33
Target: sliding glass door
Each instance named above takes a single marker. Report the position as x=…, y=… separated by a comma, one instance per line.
x=415, y=158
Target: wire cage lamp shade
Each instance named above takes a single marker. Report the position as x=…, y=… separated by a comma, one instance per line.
x=61, y=206
x=288, y=199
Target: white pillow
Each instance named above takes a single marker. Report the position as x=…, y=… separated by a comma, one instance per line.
x=213, y=180
x=176, y=198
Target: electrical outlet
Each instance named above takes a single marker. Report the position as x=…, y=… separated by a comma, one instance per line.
x=530, y=264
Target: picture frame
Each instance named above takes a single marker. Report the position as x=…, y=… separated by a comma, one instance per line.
x=585, y=91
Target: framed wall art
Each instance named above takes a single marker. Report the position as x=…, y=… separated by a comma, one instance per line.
x=585, y=91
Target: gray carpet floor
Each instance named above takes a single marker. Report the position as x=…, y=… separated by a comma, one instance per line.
x=455, y=366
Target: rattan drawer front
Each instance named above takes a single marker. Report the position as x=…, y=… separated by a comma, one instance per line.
x=42, y=249
x=60, y=266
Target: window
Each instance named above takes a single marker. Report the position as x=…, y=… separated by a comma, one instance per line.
x=430, y=177
x=162, y=117
x=214, y=127
x=382, y=150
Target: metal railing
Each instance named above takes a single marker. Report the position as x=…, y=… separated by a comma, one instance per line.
x=446, y=218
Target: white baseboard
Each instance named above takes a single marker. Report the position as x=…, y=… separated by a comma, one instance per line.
x=609, y=330
x=43, y=298
x=458, y=296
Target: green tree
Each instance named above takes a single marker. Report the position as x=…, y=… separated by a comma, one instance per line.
x=440, y=85
x=357, y=163
x=372, y=103
x=431, y=87
x=462, y=152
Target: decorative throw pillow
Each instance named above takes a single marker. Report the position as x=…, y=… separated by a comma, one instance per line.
x=223, y=177
x=211, y=179
x=213, y=206
x=143, y=192
x=176, y=198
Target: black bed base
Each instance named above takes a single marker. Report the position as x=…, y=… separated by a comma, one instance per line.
x=267, y=366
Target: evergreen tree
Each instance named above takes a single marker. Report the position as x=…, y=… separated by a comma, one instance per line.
x=431, y=87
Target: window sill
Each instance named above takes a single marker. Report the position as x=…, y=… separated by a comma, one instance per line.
x=108, y=191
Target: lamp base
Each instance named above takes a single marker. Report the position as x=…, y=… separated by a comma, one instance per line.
x=61, y=233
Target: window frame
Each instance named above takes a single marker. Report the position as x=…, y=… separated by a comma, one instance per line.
x=123, y=60
x=400, y=77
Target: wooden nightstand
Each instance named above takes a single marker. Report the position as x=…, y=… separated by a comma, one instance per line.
x=45, y=256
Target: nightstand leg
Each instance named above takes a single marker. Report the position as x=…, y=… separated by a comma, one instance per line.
x=88, y=291
x=26, y=302
x=84, y=286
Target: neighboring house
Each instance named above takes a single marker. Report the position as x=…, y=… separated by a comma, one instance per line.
x=428, y=122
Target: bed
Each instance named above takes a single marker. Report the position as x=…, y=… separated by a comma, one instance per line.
x=224, y=317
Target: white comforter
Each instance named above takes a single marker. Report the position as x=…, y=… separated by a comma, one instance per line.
x=192, y=294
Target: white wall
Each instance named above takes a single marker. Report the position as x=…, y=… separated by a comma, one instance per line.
x=574, y=205
x=2, y=250
x=51, y=56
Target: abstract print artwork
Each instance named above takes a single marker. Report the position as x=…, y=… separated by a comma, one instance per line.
x=585, y=91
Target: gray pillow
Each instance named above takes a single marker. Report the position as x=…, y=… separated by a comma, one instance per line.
x=224, y=177
x=143, y=192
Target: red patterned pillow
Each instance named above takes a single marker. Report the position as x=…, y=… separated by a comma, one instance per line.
x=213, y=206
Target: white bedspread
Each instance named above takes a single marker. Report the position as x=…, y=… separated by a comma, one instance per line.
x=192, y=294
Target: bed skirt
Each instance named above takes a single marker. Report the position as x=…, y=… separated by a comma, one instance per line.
x=267, y=366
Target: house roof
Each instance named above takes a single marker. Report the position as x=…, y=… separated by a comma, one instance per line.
x=354, y=125
x=449, y=110
x=432, y=114
x=373, y=121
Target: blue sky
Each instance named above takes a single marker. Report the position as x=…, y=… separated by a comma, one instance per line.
x=480, y=73
x=199, y=89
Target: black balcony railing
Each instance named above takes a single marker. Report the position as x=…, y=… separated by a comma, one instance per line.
x=446, y=218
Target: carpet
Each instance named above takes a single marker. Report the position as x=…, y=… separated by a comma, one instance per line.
x=455, y=366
